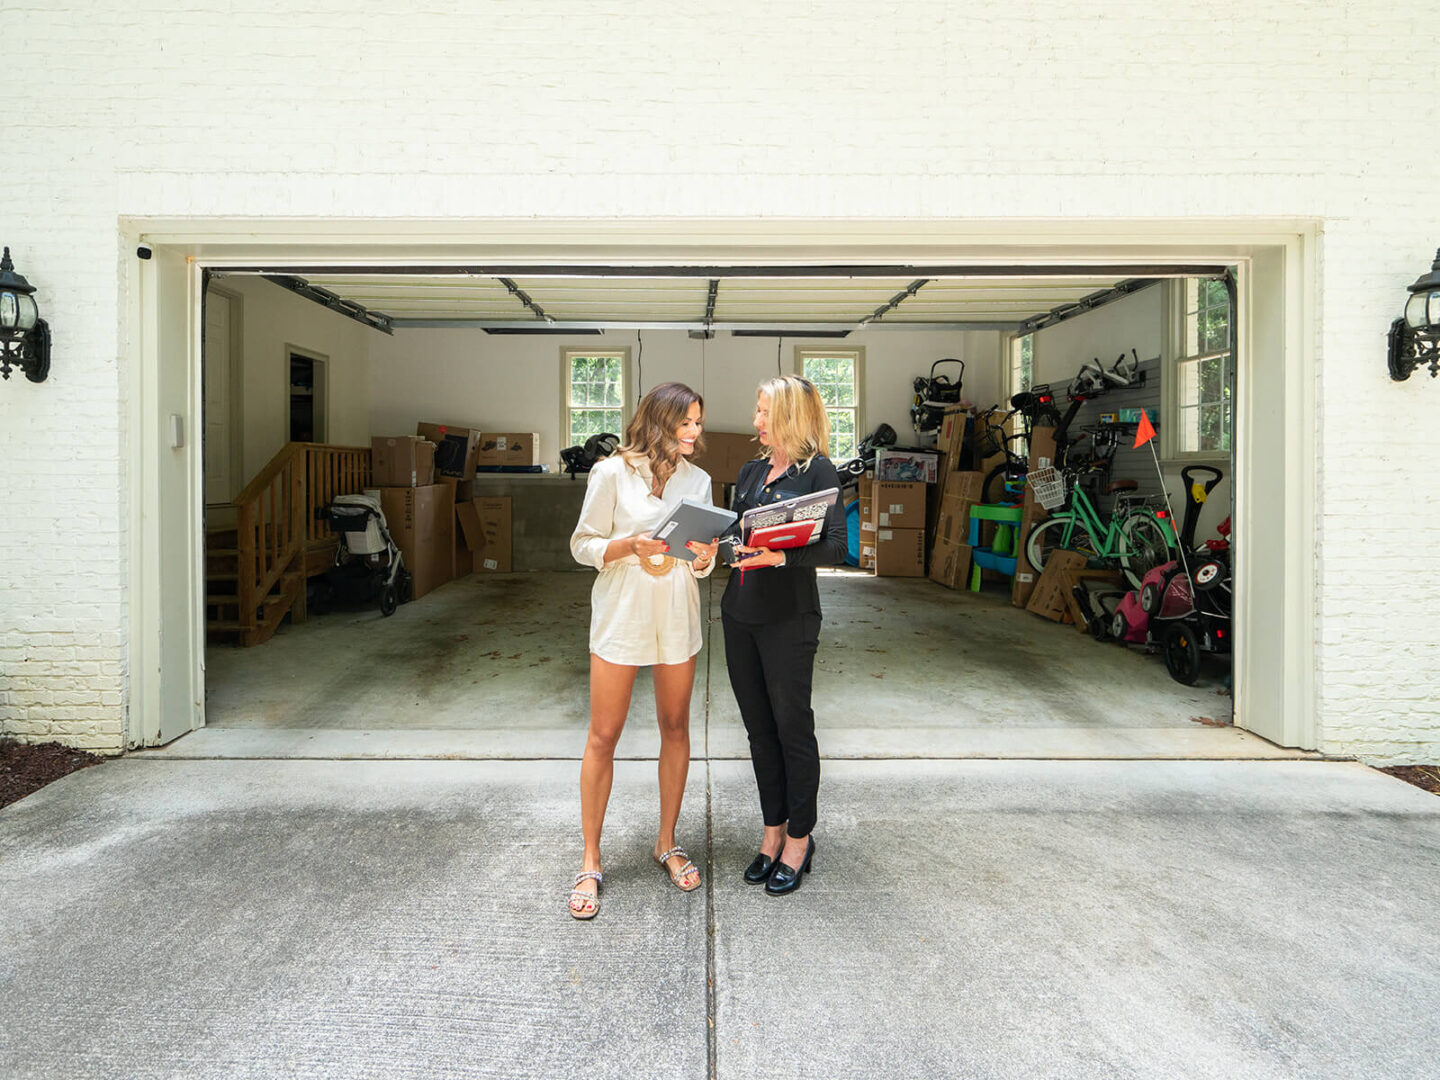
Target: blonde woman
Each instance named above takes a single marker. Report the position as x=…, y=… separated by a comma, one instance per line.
x=772, y=627
x=644, y=612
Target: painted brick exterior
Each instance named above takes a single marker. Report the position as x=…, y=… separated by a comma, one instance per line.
x=1276, y=108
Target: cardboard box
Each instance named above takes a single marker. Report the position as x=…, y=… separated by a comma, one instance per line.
x=867, y=510
x=950, y=564
x=898, y=505
x=455, y=448
x=1042, y=448
x=725, y=452
x=907, y=466
x=867, y=484
x=1049, y=597
x=867, y=556
x=950, y=442
x=964, y=485
x=402, y=461
x=900, y=553
x=420, y=521
x=952, y=526
x=492, y=521
x=462, y=555
x=508, y=448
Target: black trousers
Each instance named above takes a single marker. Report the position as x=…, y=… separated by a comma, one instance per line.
x=772, y=667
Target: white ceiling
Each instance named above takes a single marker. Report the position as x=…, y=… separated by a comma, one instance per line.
x=748, y=302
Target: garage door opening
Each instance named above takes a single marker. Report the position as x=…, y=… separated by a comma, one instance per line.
x=927, y=664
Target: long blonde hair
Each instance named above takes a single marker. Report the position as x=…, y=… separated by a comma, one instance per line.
x=651, y=431
x=799, y=425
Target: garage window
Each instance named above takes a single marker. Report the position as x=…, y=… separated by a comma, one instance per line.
x=1202, y=395
x=596, y=385
x=836, y=373
x=1022, y=363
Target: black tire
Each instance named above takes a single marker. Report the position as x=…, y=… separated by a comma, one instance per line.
x=1099, y=626
x=389, y=600
x=1119, y=628
x=1182, y=653
x=993, y=489
x=1209, y=575
x=1152, y=598
x=406, y=585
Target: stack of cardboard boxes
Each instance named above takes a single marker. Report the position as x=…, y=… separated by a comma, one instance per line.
x=418, y=511
x=480, y=529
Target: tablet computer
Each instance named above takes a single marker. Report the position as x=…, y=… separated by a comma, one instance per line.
x=692, y=520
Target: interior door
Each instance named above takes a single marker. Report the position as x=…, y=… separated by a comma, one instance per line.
x=168, y=594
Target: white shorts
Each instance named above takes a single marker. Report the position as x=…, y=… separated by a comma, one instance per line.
x=639, y=619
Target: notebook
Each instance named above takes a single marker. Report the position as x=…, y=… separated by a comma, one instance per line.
x=692, y=520
x=793, y=523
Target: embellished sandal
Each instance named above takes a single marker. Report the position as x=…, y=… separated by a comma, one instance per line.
x=586, y=897
x=679, y=875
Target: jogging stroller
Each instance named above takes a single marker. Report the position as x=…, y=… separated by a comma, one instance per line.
x=367, y=562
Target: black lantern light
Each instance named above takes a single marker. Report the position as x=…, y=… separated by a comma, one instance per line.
x=1415, y=337
x=24, y=336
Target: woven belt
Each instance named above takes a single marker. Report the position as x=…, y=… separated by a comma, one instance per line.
x=657, y=565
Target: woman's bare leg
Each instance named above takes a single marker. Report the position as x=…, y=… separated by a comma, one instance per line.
x=673, y=684
x=610, y=687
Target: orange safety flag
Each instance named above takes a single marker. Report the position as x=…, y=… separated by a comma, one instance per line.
x=1144, y=431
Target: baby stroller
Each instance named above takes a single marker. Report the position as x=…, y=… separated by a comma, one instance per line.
x=367, y=562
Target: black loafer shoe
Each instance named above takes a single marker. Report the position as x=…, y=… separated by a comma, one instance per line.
x=759, y=870
x=785, y=879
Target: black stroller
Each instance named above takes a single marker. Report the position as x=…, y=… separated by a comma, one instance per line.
x=367, y=562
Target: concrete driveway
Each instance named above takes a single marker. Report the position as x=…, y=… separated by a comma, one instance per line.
x=195, y=919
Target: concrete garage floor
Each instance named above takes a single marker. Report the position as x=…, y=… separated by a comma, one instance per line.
x=496, y=667
x=1018, y=919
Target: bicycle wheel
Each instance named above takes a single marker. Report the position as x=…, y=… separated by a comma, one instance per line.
x=1144, y=545
x=994, y=489
x=1049, y=536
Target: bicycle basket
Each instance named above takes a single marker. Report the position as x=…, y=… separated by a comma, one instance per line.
x=991, y=441
x=1048, y=486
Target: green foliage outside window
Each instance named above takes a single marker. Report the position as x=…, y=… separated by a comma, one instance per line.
x=834, y=377
x=596, y=396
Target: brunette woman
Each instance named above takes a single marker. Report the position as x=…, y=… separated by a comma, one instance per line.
x=771, y=616
x=644, y=612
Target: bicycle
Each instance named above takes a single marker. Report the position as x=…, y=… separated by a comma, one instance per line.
x=1007, y=479
x=1137, y=536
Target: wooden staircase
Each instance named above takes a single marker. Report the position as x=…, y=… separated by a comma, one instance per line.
x=256, y=569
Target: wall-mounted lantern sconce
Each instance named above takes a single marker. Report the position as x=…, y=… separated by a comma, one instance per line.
x=24, y=336
x=1415, y=338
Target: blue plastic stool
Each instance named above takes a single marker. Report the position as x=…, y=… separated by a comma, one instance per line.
x=1001, y=555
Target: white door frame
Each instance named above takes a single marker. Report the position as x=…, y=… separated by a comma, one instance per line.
x=1275, y=686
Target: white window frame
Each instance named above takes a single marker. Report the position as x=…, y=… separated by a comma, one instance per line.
x=1174, y=307
x=627, y=407
x=1012, y=364
x=857, y=353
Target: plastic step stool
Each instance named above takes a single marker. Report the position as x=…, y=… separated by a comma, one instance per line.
x=1001, y=555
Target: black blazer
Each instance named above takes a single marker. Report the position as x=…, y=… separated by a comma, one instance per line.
x=772, y=593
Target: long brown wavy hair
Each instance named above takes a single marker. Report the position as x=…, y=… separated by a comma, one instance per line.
x=651, y=431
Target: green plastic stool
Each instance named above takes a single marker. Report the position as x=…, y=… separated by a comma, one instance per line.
x=1004, y=552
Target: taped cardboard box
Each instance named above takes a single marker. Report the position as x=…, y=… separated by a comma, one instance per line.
x=1042, y=449
x=952, y=525
x=950, y=564
x=402, y=461
x=898, y=505
x=512, y=448
x=455, y=448
x=420, y=522
x=900, y=553
x=867, y=555
x=492, y=519
x=954, y=426
x=964, y=485
x=462, y=557
x=867, y=484
x=1049, y=597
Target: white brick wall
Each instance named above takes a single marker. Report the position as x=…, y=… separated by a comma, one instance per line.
x=847, y=109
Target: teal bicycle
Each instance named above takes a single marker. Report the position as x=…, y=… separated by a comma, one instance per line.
x=1137, y=537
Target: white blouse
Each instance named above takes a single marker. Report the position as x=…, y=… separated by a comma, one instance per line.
x=637, y=618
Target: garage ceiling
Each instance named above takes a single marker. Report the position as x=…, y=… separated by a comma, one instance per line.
x=794, y=300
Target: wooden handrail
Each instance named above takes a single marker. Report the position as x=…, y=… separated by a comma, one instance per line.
x=275, y=513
